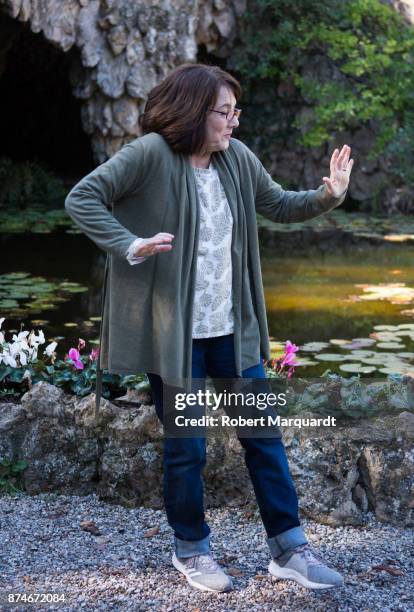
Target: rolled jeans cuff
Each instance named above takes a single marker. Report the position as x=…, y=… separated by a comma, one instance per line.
x=185, y=548
x=286, y=540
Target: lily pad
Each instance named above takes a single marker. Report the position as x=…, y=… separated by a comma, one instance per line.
x=406, y=326
x=15, y=276
x=8, y=304
x=390, y=345
x=361, y=353
x=375, y=360
x=405, y=333
x=391, y=370
x=22, y=294
x=331, y=357
x=305, y=362
x=77, y=289
x=338, y=341
x=386, y=327
x=358, y=343
x=384, y=336
x=357, y=368
x=314, y=347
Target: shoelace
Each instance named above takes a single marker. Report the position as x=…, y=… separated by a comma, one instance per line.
x=312, y=557
x=203, y=562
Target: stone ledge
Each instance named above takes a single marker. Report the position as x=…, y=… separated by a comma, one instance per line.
x=339, y=473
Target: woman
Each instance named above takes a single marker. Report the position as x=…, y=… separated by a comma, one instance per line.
x=184, y=199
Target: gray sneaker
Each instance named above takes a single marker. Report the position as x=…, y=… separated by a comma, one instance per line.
x=306, y=567
x=203, y=573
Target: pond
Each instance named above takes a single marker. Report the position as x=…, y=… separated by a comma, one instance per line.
x=350, y=311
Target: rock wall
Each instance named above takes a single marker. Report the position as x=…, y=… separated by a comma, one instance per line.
x=340, y=473
x=125, y=49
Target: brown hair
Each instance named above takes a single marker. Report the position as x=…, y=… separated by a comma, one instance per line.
x=176, y=108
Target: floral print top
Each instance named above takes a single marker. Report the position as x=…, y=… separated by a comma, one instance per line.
x=213, y=306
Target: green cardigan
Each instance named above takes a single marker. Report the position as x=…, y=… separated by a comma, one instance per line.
x=146, y=188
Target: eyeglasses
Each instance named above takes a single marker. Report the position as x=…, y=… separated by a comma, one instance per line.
x=229, y=115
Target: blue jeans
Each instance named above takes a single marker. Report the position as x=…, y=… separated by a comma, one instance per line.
x=185, y=458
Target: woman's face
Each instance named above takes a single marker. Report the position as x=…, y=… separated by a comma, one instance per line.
x=218, y=128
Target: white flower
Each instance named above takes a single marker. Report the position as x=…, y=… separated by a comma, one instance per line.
x=22, y=335
x=23, y=358
x=1, y=337
x=1, y=321
x=17, y=347
x=36, y=340
x=33, y=353
x=9, y=360
x=50, y=349
x=27, y=375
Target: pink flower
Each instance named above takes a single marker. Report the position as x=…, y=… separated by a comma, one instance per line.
x=94, y=354
x=75, y=357
x=81, y=344
x=290, y=347
x=289, y=360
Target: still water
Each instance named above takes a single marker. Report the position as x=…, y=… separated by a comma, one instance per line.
x=320, y=301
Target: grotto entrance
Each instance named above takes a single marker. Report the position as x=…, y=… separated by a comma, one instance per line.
x=40, y=120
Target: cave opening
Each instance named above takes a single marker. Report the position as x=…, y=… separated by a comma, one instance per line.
x=40, y=120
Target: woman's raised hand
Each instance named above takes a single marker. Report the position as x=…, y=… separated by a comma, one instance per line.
x=157, y=244
x=341, y=167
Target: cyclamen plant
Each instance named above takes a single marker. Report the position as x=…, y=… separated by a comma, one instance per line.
x=284, y=367
x=24, y=348
x=22, y=365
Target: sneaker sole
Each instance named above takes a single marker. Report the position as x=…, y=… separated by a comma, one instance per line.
x=291, y=574
x=202, y=587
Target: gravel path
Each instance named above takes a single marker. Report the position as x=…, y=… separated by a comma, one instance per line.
x=46, y=546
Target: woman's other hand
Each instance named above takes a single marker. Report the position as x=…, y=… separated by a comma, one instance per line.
x=341, y=167
x=159, y=243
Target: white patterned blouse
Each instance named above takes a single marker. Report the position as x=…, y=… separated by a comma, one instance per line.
x=213, y=305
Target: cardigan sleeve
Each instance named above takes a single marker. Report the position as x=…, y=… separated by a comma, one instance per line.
x=90, y=200
x=282, y=206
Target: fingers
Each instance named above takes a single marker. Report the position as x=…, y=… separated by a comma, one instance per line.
x=156, y=244
x=163, y=235
x=328, y=184
x=333, y=161
x=343, y=157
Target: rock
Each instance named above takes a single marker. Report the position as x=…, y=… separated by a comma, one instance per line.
x=360, y=497
x=117, y=39
x=140, y=80
x=135, y=51
x=111, y=74
x=89, y=38
x=10, y=416
x=125, y=113
x=43, y=400
x=126, y=48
